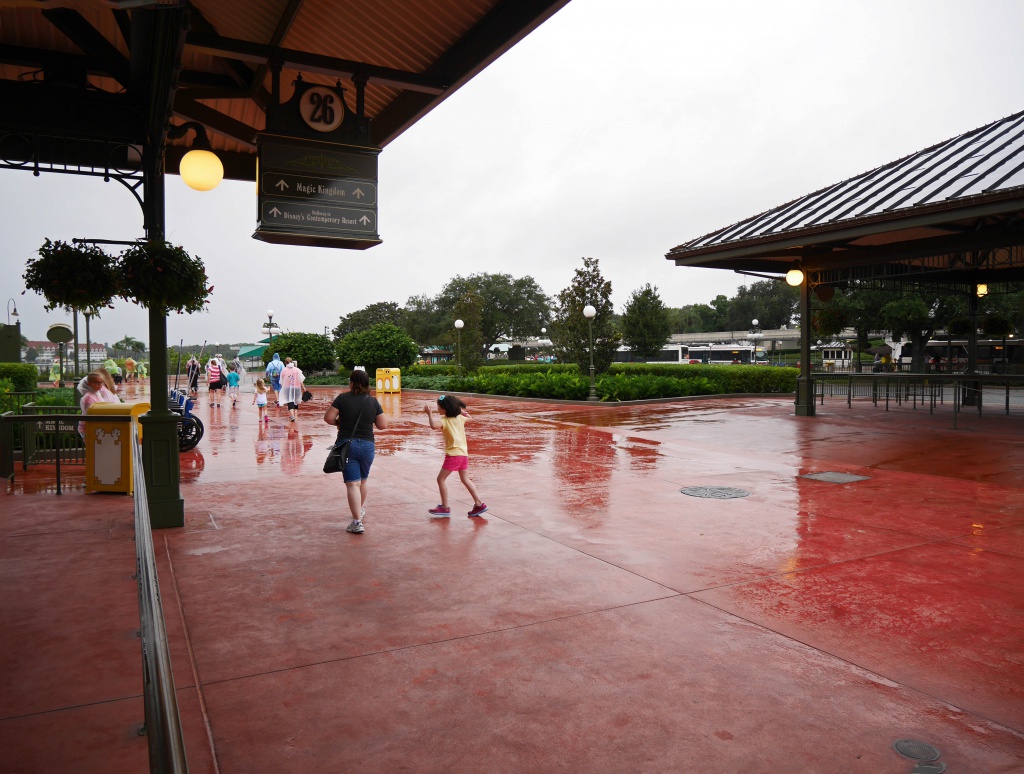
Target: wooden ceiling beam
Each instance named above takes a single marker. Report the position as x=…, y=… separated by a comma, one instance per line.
x=304, y=61
x=100, y=52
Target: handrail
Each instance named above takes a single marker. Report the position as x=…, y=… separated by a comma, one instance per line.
x=162, y=721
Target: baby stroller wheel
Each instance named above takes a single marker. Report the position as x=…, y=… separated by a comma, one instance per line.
x=190, y=432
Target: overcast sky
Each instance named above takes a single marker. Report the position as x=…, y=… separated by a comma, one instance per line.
x=616, y=130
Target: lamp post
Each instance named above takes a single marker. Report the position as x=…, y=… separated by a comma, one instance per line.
x=9, y=312
x=269, y=328
x=755, y=335
x=88, y=313
x=590, y=313
x=458, y=352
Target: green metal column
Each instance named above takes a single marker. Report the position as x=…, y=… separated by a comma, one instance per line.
x=159, y=425
x=804, y=382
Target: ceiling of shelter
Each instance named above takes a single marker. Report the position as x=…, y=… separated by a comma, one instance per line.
x=951, y=213
x=412, y=55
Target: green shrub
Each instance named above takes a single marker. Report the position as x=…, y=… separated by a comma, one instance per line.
x=23, y=375
x=436, y=369
x=6, y=401
x=627, y=381
x=521, y=368
x=382, y=346
x=327, y=379
x=59, y=396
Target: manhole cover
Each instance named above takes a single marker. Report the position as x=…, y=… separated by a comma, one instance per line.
x=835, y=478
x=918, y=751
x=928, y=767
x=714, y=492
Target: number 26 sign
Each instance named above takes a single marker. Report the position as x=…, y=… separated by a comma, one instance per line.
x=322, y=109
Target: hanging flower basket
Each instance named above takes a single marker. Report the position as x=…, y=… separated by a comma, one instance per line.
x=72, y=276
x=158, y=275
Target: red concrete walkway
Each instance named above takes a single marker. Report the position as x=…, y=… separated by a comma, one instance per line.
x=596, y=619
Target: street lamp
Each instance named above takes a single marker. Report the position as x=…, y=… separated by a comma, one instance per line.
x=458, y=353
x=9, y=313
x=88, y=313
x=590, y=313
x=269, y=328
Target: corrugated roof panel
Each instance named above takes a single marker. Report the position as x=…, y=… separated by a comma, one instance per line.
x=256, y=23
x=987, y=160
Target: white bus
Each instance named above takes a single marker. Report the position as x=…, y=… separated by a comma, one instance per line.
x=670, y=353
x=725, y=354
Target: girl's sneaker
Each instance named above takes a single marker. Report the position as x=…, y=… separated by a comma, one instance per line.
x=440, y=510
x=478, y=510
x=356, y=528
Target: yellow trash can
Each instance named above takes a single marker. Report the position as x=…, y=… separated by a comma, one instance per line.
x=389, y=380
x=108, y=451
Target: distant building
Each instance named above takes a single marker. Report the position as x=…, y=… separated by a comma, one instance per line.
x=46, y=352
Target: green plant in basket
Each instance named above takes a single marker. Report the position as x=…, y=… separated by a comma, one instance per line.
x=159, y=275
x=72, y=276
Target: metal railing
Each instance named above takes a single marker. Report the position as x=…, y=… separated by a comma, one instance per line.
x=47, y=436
x=162, y=721
x=957, y=392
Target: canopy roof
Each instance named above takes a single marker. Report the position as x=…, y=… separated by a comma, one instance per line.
x=952, y=213
x=120, y=69
x=252, y=351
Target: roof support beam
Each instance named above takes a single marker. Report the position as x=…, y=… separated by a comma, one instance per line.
x=508, y=23
x=280, y=32
x=259, y=53
x=97, y=48
x=214, y=120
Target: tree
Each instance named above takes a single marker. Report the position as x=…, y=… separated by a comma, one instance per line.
x=312, y=351
x=423, y=321
x=773, y=304
x=129, y=345
x=570, y=330
x=645, y=323
x=511, y=308
x=720, y=314
x=365, y=318
x=469, y=309
x=917, y=314
x=382, y=346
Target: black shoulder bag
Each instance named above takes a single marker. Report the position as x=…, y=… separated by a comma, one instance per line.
x=338, y=454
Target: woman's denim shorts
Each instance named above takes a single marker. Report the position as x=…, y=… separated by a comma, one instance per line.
x=360, y=458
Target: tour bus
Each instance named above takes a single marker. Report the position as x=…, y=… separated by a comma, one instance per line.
x=713, y=354
x=670, y=353
x=724, y=354
x=994, y=355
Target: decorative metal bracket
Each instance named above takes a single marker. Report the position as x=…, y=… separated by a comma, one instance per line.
x=40, y=153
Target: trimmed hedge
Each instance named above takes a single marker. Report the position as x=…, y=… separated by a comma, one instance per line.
x=24, y=375
x=58, y=396
x=625, y=381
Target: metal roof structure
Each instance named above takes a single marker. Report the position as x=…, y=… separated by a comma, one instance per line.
x=952, y=213
x=86, y=70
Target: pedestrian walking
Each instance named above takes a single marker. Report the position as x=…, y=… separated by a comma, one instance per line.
x=192, y=369
x=292, y=380
x=456, y=453
x=274, y=369
x=260, y=400
x=233, y=380
x=213, y=380
x=356, y=413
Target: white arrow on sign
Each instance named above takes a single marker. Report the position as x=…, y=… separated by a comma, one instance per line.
x=358, y=193
x=275, y=212
x=281, y=184
x=364, y=220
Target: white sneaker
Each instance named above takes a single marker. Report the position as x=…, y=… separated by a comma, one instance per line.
x=356, y=528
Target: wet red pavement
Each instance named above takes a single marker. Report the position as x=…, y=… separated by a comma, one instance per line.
x=596, y=619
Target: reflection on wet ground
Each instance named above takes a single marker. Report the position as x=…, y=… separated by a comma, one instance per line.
x=595, y=611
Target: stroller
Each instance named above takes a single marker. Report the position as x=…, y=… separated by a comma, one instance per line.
x=190, y=427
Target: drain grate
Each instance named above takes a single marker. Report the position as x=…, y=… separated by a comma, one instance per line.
x=915, y=750
x=836, y=478
x=714, y=492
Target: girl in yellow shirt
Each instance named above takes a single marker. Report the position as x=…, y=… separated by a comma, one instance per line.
x=456, y=453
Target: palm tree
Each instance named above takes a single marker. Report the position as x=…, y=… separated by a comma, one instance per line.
x=129, y=346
